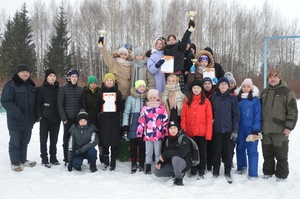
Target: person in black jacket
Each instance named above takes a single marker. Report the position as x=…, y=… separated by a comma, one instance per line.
x=188, y=56
x=69, y=102
x=177, y=157
x=18, y=99
x=217, y=66
x=46, y=112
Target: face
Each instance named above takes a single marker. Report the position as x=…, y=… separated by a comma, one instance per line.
x=74, y=79
x=141, y=88
x=171, y=81
x=82, y=122
x=273, y=80
x=129, y=50
x=231, y=85
x=24, y=75
x=246, y=88
x=207, y=86
x=193, y=50
x=51, y=79
x=173, y=130
x=109, y=82
x=196, y=90
x=204, y=63
x=93, y=85
x=171, y=41
x=123, y=55
x=223, y=87
x=159, y=45
x=139, y=57
x=152, y=99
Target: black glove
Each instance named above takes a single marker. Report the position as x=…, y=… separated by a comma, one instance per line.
x=191, y=24
x=70, y=166
x=234, y=135
x=78, y=151
x=101, y=40
x=159, y=63
x=100, y=102
x=125, y=128
x=254, y=133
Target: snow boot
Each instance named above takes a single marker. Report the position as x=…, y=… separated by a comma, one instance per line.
x=54, y=161
x=133, y=165
x=148, y=169
x=45, y=162
x=93, y=167
x=142, y=164
x=113, y=163
x=105, y=161
x=178, y=182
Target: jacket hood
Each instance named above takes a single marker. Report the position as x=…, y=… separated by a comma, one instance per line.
x=205, y=52
x=255, y=91
x=135, y=94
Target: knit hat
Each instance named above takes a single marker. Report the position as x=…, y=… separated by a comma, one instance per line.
x=128, y=45
x=22, y=67
x=223, y=79
x=207, y=79
x=247, y=81
x=209, y=50
x=70, y=73
x=109, y=75
x=92, y=79
x=274, y=72
x=230, y=77
x=139, y=50
x=48, y=72
x=138, y=83
x=153, y=92
x=203, y=57
x=196, y=82
x=122, y=50
x=173, y=123
x=82, y=115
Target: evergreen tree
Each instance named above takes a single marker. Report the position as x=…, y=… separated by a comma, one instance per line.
x=17, y=46
x=58, y=56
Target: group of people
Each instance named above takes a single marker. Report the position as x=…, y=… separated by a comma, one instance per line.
x=156, y=108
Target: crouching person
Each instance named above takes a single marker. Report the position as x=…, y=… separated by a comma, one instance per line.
x=82, y=143
x=177, y=157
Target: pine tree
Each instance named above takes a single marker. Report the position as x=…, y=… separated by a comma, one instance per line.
x=58, y=57
x=17, y=46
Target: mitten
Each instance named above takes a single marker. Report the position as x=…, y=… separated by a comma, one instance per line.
x=215, y=80
x=159, y=63
x=100, y=40
x=191, y=26
x=70, y=166
x=125, y=129
x=78, y=151
x=234, y=135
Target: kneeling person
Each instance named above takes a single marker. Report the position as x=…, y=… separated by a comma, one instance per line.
x=177, y=157
x=82, y=143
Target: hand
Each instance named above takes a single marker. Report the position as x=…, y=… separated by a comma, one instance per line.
x=125, y=129
x=78, y=151
x=70, y=166
x=215, y=80
x=191, y=24
x=159, y=63
x=65, y=122
x=158, y=166
x=234, y=135
x=161, y=158
x=287, y=132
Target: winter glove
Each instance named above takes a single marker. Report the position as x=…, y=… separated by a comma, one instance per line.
x=234, y=135
x=70, y=166
x=101, y=40
x=191, y=26
x=125, y=129
x=79, y=151
x=159, y=63
x=215, y=80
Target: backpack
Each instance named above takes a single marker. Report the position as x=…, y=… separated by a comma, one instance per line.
x=194, y=149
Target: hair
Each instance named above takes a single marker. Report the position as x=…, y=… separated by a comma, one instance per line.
x=193, y=46
x=190, y=98
x=162, y=41
x=176, y=77
x=171, y=35
x=250, y=96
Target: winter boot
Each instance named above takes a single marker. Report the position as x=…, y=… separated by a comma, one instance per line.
x=101, y=158
x=133, y=165
x=193, y=171
x=106, y=161
x=54, y=161
x=142, y=164
x=148, y=169
x=93, y=167
x=113, y=163
x=45, y=162
x=178, y=182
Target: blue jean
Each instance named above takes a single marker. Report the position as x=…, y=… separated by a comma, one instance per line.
x=90, y=154
x=18, y=144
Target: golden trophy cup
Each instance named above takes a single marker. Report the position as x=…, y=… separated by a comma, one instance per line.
x=191, y=14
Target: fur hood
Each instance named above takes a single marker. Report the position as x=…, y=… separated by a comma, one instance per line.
x=205, y=52
x=135, y=94
x=255, y=91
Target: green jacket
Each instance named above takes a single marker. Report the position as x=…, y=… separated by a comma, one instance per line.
x=279, y=108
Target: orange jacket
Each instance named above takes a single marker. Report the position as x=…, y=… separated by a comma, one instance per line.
x=196, y=119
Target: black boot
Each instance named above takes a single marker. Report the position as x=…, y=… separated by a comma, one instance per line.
x=133, y=165
x=113, y=163
x=142, y=164
x=193, y=171
x=178, y=182
x=106, y=161
x=101, y=158
x=45, y=162
x=148, y=168
x=93, y=167
x=54, y=161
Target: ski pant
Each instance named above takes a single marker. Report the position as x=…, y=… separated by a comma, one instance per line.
x=174, y=168
x=17, y=147
x=149, y=150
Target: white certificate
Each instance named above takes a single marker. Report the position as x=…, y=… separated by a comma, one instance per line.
x=209, y=72
x=168, y=65
x=109, y=105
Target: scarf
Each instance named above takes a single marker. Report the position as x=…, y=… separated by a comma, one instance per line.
x=244, y=95
x=175, y=96
x=123, y=62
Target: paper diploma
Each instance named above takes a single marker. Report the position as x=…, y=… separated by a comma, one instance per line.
x=209, y=72
x=109, y=105
x=168, y=65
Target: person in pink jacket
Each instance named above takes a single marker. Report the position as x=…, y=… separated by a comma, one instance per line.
x=153, y=127
x=196, y=121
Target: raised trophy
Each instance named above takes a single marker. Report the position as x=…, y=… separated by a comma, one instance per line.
x=101, y=33
x=191, y=14
x=193, y=67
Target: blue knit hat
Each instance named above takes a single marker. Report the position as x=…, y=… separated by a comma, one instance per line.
x=223, y=79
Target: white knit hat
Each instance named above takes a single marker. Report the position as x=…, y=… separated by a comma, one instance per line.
x=123, y=50
x=247, y=81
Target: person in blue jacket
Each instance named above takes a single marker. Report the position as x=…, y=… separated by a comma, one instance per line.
x=249, y=128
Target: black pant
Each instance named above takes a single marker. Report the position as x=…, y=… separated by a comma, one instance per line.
x=209, y=154
x=51, y=129
x=134, y=144
x=201, y=143
x=113, y=154
x=66, y=137
x=222, y=147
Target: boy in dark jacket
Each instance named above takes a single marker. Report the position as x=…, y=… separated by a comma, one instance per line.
x=46, y=112
x=82, y=142
x=177, y=157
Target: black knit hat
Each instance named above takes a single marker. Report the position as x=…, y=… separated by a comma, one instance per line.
x=223, y=79
x=48, y=72
x=22, y=67
x=196, y=82
x=174, y=122
x=82, y=115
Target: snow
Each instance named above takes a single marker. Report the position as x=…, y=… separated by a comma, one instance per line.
x=56, y=182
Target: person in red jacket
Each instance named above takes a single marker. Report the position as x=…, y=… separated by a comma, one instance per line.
x=196, y=121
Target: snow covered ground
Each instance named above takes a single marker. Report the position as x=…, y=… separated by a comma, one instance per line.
x=57, y=182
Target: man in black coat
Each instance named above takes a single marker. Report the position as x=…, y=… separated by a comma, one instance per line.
x=18, y=99
x=47, y=113
x=69, y=103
